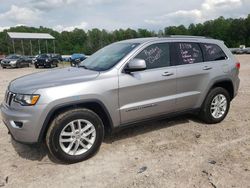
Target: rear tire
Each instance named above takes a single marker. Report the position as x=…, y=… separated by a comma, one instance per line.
x=215, y=106
x=66, y=132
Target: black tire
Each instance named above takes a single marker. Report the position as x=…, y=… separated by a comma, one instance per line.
x=205, y=113
x=18, y=65
x=61, y=121
x=4, y=67
x=36, y=66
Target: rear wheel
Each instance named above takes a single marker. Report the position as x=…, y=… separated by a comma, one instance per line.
x=75, y=135
x=215, y=106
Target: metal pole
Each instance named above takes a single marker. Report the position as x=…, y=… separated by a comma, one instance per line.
x=39, y=47
x=30, y=48
x=54, y=46
x=13, y=44
x=46, y=46
x=8, y=43
x=22, y=46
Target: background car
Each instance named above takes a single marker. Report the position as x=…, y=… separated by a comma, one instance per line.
x=233, y=50
x=66, y=58
x=247, y=50
x=239, y=51
x=16, y=61
x=75, y=59
x=47, y=60
x=2, y=57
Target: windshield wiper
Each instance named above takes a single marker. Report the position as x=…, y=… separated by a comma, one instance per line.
x=83, y=66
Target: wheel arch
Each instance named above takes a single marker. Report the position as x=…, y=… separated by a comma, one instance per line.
x=95, y=105
x=227, y=84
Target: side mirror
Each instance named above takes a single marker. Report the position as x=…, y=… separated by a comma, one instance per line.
x=136, y=65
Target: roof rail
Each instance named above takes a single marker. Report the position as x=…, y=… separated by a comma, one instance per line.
x=186, y=36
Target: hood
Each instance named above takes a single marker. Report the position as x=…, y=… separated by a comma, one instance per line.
x=30, y=83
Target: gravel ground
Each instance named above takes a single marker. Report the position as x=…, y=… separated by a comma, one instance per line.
x=177, y=152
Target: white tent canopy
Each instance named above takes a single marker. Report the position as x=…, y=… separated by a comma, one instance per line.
x=30, y=36
x=17, y=35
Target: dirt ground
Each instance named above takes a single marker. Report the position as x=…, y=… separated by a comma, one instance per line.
x=177, y=152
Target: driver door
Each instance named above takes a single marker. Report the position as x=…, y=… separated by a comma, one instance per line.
x=148, y=93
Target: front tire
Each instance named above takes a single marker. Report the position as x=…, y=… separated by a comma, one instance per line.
x=75, y=135
x=215, y=106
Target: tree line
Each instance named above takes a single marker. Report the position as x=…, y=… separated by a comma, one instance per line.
x=233, y=32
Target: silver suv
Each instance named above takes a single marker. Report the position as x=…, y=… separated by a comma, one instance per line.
x=126, y=82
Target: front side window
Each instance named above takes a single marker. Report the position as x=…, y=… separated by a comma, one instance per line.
x=156, y=55
x=188, y=53
x=108, y=56
x=213, y=52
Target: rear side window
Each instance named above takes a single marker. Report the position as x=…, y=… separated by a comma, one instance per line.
x=156, y=55
x=188, y=53
x=213, y=52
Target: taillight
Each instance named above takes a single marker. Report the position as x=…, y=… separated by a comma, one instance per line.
x=237, y=65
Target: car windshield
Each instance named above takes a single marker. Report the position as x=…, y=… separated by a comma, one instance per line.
x=12, y=57
x=74, y=56
x=108, y=56
x=43, y=56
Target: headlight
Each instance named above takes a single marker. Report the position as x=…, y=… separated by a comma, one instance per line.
x=26, y=100
x=12, y=62
x=47, y=60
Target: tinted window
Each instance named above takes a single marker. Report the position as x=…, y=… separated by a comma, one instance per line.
x=213, y=52
x=188, y=53
x=13, y=57
x=156, y=55
x=43, y=56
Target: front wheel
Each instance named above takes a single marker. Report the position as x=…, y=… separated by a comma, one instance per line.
x=75, y=135
x=215, y=106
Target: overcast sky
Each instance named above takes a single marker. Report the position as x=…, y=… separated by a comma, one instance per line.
x=114, y=14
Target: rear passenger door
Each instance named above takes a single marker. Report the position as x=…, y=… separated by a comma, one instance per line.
x=193, y=75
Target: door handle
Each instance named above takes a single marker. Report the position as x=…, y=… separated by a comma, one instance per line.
x=167, y=74
x=207, y=68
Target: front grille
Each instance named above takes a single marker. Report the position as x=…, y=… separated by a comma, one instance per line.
x=9, y=97
x=6, y=62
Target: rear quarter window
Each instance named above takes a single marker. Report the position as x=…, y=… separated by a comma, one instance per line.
x=212, y=52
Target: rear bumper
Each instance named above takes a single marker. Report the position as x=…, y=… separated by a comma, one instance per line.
x=236, y=86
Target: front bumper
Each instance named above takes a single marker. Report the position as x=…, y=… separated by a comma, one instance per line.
x=8, y=65
x=43, y=63
x=24, y=125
